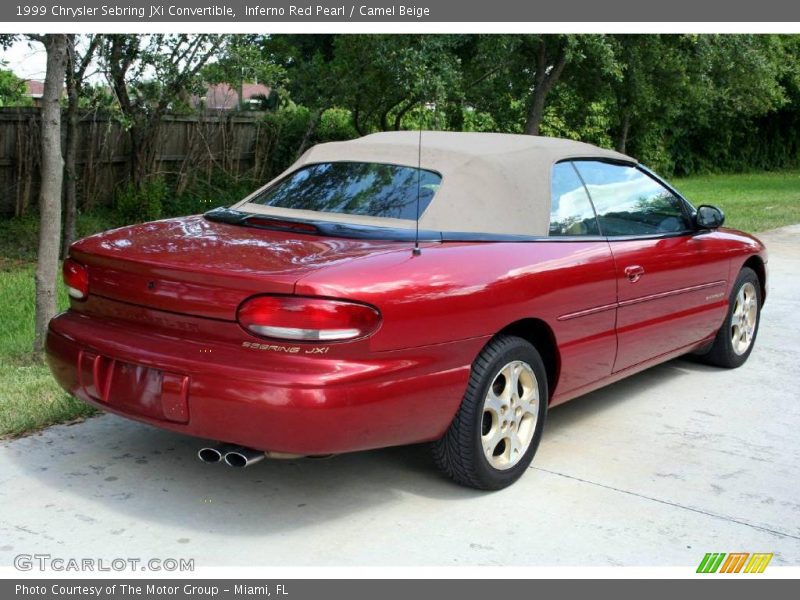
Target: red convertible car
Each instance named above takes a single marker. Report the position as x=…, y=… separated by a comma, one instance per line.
x=401, y=288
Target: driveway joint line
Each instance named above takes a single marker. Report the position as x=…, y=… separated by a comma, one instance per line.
x=672, y=504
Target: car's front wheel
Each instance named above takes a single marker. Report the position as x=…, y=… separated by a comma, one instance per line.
x=736, y=337
x=495, y=433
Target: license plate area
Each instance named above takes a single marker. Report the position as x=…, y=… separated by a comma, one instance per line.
x=134, y=388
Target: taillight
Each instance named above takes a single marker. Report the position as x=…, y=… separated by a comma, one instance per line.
x=76, y=278
x=307, y=319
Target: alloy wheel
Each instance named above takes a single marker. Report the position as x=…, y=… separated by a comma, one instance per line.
x=510, y=412
x=744, y=317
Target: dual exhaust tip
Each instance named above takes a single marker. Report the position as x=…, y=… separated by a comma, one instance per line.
x=237, y=457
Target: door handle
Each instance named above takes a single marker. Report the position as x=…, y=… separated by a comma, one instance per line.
x=634, y=273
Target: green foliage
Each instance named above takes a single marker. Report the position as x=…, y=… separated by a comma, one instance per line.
x=286, y=133
x=335, y=124
x=474, y=120
x=243, y=60
x=203, y=194
x=266, y=101
x=12, y=89
x=380, y=78
x=733, y=85
x=98, y=98
x=568, y=116
x=502, y=72
x=281, y=134
x=145, y=203
x=306, y=62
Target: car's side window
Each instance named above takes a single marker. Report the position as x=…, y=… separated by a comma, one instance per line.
x=630, y=202
x=571, y=211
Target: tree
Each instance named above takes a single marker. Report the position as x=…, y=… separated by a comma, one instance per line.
x=306, y=62
x=729, y=82
x=151, y=75
x=512, y=76
x=50, y=192
x=652, y=90
x=243, y=60
x=12, y=89
x=551, y=55
x=78, y=61
x=307, y=66
x=381, y=78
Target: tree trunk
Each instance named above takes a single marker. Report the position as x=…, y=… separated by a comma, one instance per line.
x=313, y=121
x=536, y=111
x=622, y=138
x=357, y=120
x=143, y=136
x=398, y=118
x=544, y=80
x=50, y=193
x=71, y=177
x=70, y=154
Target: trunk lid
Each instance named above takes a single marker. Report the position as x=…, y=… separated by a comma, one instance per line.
x=194, y=266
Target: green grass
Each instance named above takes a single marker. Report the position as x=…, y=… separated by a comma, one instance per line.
x=29, y=397
x=17, y=291
x=31, y=400
x=751, y=201
x=19, y=239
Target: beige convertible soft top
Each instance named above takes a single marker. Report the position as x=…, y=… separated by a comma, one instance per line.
x=491, y=182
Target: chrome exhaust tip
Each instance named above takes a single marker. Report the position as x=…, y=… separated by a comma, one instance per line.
x=243, y=457
x=211, y=455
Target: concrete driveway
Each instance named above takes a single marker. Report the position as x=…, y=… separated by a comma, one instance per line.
x=655, y=470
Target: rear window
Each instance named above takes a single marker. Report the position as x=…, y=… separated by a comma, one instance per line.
x=355, y=188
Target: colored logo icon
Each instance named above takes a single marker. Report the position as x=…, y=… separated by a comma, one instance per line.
x=735, y=562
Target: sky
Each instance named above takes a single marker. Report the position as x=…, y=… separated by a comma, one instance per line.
x=27, y=61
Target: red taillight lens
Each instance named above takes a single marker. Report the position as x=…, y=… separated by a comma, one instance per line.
x=76, y=278
x=307, y=319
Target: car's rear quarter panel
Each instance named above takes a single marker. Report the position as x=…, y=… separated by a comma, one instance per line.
x=463, y=291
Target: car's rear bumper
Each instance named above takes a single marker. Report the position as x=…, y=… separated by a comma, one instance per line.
x=296, y=404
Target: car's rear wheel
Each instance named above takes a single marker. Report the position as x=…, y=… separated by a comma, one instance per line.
x=495, y=433
x=737, y=336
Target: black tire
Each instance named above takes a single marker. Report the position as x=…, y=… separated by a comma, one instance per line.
x=722, y=352
x=459, y=454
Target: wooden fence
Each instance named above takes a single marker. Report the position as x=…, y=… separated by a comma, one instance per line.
x=187, y=147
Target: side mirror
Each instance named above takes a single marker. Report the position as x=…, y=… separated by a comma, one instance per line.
x=709, y=217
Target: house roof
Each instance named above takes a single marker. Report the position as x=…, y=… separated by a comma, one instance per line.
x=491, y=182
x=34, y=88
x=224, y=97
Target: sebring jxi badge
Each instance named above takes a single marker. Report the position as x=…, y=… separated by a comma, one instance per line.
x=286, y=349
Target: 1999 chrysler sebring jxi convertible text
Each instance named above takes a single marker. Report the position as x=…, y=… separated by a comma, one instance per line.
x=301, y=321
